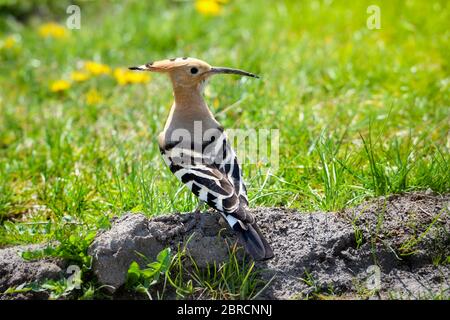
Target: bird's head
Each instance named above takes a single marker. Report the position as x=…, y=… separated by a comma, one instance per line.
x=188, y=72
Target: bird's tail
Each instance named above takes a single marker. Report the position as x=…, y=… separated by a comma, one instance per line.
x=253, y=241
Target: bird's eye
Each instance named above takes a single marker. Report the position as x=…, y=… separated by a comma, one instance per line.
x=194, y=70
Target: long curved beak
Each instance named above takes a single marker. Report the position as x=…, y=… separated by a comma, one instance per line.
x=217, y=70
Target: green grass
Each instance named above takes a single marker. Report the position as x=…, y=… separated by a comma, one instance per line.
x=235, y=278
x=361, y=112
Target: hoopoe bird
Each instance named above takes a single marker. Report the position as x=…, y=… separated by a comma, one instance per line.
x=195, y=148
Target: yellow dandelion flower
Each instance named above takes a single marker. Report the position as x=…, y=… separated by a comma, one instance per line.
x=96, y=68
x=124, y=76
x=79, y=76
x=119, y=75
x=9, y=42
x=52, y=30
x=208, y=7
x=135, y=77
x=259, y=164
x=93, y=97
x=59, y=85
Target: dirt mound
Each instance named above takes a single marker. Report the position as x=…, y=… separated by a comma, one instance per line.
x=396, y=246
x=386, y=245
x=15, y=271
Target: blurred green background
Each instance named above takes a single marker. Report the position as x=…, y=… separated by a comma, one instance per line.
x=361, y=112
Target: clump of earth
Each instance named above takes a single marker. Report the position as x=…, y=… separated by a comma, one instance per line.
x=390, y=247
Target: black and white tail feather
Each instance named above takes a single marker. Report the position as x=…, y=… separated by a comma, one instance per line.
x=216, y=178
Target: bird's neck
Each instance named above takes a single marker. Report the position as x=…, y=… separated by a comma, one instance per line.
x=189, y=99
x=189, y=106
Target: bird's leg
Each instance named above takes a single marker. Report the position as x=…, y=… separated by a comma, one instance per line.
x=201, y=205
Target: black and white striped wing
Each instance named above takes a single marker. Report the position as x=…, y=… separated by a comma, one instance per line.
x=231, y=167
x=226, y=161
x=208, y=182
x=215, y=178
